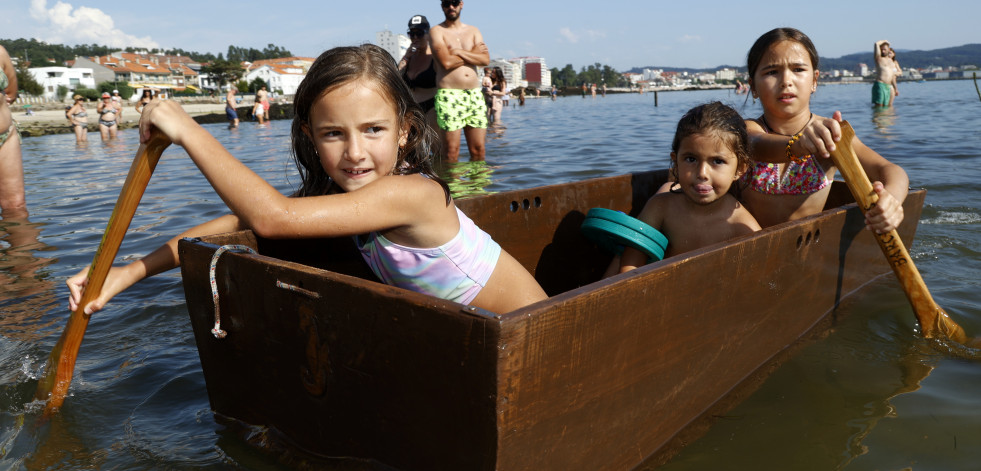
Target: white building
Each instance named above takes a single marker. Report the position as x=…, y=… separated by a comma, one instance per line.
x=53, y=77
x=862, y=70
x=281, y=75
x=725, y=74
x=534, y=72
x=395, y=44
x=512, y=73
x=651, y=74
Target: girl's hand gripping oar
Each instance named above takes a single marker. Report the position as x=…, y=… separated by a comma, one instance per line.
x=61, y=363
x=932, y=318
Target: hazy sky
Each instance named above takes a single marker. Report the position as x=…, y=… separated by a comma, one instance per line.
x=623, y=34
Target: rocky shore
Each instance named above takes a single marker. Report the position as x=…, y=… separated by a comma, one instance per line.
x=51, y=118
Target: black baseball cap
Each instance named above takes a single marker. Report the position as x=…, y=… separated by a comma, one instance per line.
x=419, y=22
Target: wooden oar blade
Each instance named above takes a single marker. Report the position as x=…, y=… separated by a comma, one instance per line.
x=932, y=318
x=53, y=386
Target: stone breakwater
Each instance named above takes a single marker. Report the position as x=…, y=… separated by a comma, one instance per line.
x=53, y=121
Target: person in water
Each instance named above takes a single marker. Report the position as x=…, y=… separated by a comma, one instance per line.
x=13, y=201
x=709, y=153
x=790, y=145
x=364, y=154
x=419, y=69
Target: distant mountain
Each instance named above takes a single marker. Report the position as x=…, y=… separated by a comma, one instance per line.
x=959, y=56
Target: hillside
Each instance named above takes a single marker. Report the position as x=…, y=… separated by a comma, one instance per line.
x=958, y=56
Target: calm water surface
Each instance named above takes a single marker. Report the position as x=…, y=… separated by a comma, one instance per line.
x=870, y=396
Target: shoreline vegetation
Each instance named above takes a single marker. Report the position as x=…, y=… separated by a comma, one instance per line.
x=49, y=118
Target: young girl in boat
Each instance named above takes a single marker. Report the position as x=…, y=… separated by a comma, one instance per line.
x=363, y=151
x=709, y=153
x=791, y=176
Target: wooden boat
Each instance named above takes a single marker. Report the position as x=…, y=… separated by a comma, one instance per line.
x=605, y=374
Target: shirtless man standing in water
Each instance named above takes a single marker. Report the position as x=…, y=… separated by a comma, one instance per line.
x=459, y=49
x=885, y=74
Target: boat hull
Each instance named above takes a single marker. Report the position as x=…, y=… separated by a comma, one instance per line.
x=605, y=374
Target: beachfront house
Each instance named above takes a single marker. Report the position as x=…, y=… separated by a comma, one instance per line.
x=70, y=78
x=282, y=76
x=156, y=71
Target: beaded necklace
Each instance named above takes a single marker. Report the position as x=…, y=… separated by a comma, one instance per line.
x=770, y=128
x=793, y=139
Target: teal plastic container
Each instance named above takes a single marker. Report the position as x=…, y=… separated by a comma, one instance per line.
x=613, y=230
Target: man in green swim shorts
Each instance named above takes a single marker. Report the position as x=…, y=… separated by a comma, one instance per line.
x=459, y=50
x=885, y=74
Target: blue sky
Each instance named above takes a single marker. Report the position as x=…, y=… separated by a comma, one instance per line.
x=624, y=34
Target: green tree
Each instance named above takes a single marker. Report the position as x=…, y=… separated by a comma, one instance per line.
x=566, y=77
x=256, y=84
x=26, y=82
x=596, y=73
x=88, y=93
x=40, y=52
x=224, y=71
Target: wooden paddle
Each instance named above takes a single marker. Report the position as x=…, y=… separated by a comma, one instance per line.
x=932, y=318
x=61, y=363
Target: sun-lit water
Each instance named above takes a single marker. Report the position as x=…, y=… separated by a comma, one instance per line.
x=872, y=395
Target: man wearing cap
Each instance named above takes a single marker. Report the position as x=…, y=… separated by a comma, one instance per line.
x=459, y=49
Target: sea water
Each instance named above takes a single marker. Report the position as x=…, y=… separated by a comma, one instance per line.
x=871, y=395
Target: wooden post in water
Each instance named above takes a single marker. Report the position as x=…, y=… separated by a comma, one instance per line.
x=975, y=74
x=655, y=97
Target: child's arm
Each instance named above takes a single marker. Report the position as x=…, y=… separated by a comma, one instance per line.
x=653, y=215
x=160, y=260
x=390, y=202
x=891, y=184
x=817, y=138
x=631, y=258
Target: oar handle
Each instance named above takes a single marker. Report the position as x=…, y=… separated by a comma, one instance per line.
x=931, y=317
x=61, y=363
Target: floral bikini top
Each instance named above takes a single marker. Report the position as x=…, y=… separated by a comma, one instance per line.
x=797, y=178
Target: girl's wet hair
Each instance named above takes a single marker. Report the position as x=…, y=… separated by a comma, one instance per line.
x=716, y=119
x=371, y=64
x=772, y=37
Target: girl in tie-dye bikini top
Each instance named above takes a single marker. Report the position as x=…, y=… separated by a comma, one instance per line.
x=802, y=177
